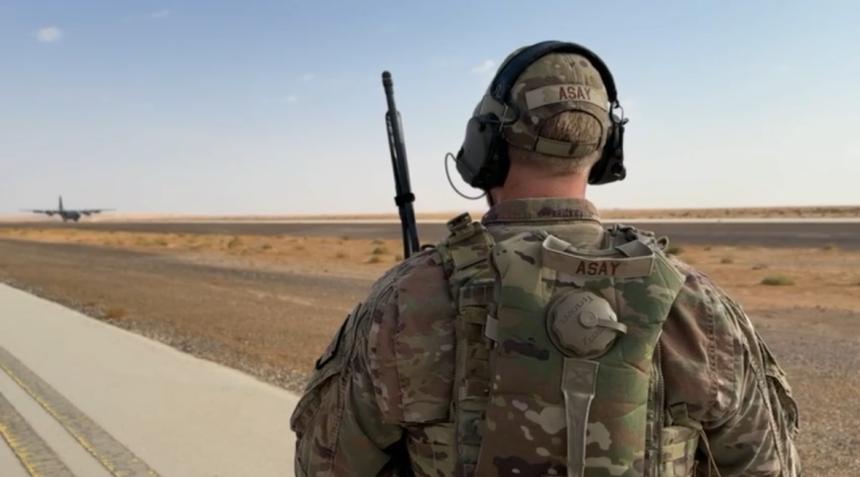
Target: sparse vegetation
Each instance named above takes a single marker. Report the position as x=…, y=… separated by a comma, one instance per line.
x=777, y=280
x=759, y=266
x=674, y=250
x=234, y=242
x=727, y=260
x=266, y=246
x=381, y=250
x=373, y=259
x=340, y=255
x=114, y=313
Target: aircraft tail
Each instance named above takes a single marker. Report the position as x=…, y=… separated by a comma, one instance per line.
x=61, y=204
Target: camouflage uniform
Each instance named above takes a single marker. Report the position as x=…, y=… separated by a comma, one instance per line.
x=383, y=399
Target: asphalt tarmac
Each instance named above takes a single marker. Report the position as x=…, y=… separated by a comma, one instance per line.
x=844, y=234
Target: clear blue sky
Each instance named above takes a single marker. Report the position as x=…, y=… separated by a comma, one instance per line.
x=277, y=107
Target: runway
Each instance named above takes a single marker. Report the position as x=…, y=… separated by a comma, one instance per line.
x=79, y=397
x=811, y=233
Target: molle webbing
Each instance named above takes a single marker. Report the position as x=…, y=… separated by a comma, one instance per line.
x=466, y=253
x=551, y=414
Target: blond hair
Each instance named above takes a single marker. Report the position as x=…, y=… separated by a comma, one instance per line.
x=568, y=126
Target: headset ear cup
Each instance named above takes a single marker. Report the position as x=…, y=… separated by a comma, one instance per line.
x=473, y=153
x=610, y=167
x=482, y=161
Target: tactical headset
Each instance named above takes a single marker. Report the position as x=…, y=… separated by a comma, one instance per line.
x=483, y=160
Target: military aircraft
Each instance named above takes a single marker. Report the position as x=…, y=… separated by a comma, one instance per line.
x=66, y=214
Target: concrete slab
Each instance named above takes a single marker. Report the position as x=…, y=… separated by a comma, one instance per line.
x=70, y=452
x=181, y=415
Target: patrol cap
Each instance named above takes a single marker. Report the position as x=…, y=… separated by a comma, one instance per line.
x=557, y=83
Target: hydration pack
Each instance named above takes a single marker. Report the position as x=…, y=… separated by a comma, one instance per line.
x=557, y=356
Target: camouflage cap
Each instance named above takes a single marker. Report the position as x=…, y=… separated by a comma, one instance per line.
x=556, y=83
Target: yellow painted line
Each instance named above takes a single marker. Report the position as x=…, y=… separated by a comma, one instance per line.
x=111, y=453
x=34, y=453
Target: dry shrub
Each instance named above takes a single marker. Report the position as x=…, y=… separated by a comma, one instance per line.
x=266, y=246
x=115, y=313
x=379, y=251
x=674, y=250
x=777, y=280
x=727, y=260
x=234, y=242
x=340, y=255
x=759, y=266
x=373, y=259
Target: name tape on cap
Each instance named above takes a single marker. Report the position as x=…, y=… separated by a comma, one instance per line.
x=560, y=93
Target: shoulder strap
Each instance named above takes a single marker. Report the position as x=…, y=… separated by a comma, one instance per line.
x=467, y=245
x=466, y=254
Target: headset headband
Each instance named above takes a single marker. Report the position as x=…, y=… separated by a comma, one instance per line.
x=500, y=89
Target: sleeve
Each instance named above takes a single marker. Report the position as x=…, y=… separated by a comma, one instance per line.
x=755, y=436
x=339, y=431
x=718, y=366
x=377, y=379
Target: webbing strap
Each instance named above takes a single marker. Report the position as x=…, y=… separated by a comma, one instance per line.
x=681, y=417
x=466, y=256
x=579, y=386
x=553, y=147
x=491, y=328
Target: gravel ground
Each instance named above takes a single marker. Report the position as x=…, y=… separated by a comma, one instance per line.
x=820, y=351
x=272, y=324
x=268, y=324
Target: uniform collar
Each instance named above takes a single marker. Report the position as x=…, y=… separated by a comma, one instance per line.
x=548, y=209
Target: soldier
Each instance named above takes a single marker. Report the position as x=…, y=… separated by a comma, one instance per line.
x=537, y=342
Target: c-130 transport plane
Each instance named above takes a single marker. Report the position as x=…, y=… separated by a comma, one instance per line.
x=67, y=214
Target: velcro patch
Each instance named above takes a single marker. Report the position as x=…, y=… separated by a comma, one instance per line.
x=556, y=257
x=560, y=93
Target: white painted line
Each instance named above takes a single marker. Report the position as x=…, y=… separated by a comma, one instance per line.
x=34, y=453
x=114, y=456
x=182, y=415
x=70, y=451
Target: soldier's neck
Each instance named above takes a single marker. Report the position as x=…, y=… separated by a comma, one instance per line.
x=524, y=183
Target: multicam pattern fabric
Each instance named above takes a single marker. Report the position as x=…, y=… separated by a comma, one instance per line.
x=584, y=411
x=380, y=400
x=553, y=84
